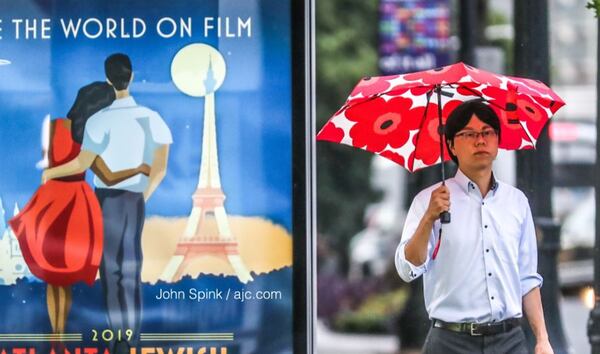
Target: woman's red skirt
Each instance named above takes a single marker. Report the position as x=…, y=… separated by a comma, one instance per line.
x=60, y=233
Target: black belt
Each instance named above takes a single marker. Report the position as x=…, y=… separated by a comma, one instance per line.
x=479, y=329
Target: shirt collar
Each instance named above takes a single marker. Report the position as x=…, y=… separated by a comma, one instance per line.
x=469, y=186
x=123, y=102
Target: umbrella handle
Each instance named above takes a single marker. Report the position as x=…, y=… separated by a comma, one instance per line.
x=437, y=245
x=445, y=217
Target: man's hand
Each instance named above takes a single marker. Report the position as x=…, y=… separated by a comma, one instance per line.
x=416, y=248
x=438, y=203
x=543, y=347
x=532, y=306
x=144, y=169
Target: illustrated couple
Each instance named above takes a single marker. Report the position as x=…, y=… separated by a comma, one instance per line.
x=66, y=231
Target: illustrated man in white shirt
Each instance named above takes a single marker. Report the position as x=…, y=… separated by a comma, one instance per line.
x=484, y=276
x=125, y=135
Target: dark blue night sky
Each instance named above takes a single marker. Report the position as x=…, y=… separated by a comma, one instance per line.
x=253, y=106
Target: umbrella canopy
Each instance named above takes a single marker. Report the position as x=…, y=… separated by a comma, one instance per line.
x=399, y=116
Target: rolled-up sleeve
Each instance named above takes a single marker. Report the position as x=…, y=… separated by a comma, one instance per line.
x=161, y=134
x=529, y=276
x=408, y=271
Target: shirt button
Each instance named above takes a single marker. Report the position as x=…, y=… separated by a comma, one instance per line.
x=482, y=203
x=492, y=298
x=485, y=226
x=490, y=274
x=487, y=251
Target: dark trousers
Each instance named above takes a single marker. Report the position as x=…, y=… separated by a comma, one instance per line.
x=443, y=341
x=120, y=270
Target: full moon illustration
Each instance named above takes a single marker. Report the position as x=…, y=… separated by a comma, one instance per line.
x=4, y=62
x=198, y=69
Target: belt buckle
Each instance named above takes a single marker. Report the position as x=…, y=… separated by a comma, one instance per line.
x=474, y=330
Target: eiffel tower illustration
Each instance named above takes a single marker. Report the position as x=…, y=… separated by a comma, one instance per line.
x=208, y=203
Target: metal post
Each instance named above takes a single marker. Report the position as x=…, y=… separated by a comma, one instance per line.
x=549, y=234
x=594, y=321
x=534, y=167
x=467, y=31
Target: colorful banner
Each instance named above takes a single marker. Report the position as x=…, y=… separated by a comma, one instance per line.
x=150, y=211
x=414, y=35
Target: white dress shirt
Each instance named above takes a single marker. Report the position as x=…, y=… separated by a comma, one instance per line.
x=125, y=135
x=487, y=260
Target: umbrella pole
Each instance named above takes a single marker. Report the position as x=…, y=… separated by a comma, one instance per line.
x=445, y=216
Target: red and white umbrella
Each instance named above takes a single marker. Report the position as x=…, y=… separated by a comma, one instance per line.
x=398, y=116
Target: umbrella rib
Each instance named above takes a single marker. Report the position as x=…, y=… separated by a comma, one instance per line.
x=370, y=98
x=480, y=95
x=531, y=139
x=429, y=94
x=367, y=99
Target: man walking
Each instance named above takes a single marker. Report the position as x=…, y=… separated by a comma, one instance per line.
x=484, y=275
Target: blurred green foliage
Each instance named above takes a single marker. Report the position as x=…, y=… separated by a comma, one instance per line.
x=507, y=45
x=594, y=5
x=346, y=50
x=375, y=315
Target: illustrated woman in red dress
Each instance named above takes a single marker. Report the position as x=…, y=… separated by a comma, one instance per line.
x=60, y=228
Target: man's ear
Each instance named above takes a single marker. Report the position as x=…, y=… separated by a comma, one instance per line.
x=451, y=146
x=131, y=79
x=110, y=83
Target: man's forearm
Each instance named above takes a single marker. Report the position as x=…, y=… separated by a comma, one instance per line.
x=79, y=164
x=532, y=306
x=416, y=249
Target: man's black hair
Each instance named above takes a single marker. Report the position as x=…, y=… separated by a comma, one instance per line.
x=90, y=99
x=117, y=68
x=460, y=117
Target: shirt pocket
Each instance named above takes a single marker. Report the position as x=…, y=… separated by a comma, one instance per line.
x=508, y=240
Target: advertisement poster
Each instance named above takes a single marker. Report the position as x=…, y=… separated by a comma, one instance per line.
x=414, y=35
x=178, y=236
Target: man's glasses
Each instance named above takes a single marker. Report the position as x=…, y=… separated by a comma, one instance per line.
x=473, y=135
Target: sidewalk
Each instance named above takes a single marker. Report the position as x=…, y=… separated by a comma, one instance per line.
x=574, y=316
